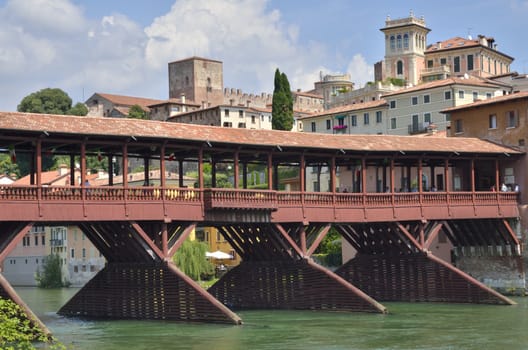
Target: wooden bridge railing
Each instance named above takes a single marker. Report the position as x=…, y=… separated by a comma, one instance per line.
x=257, y=199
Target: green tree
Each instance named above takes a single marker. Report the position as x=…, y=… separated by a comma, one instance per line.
x=282, y=104
x=52, y=101
x=137, y=112
x=328, y=253
x=79, y=109
x=51, y=274
x=16, y=330
x=7, y=167
x=190, y=258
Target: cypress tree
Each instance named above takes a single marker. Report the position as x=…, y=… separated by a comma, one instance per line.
x=282, y=105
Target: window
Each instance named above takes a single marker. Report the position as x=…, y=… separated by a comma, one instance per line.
x=488, y=95
x=226, y=112
x=511, y=119
x=427, y=118
x=447, y=95
x=393, y=123
x=241, y=114
x=241, y=125
x=493, y=121
x=328, y=124
x=469, y=62
x=36, y=240
x=399, y=42
x=393, y=104
x=429, y=63
x=414, y=100
x=459, y=126
x=475, y=95
x=399, y=68
x=365, y=118
x=73, y=253
x=84, y=252
x=406, y=41
x=353, y=120
x=456, y=64
x=228, y=125
x=313, y=127
x=392, y=43
x=427, y=99
x=43, y=240
x=378, y=117
x=443, y=61
x=253, y=119
x=460, y=93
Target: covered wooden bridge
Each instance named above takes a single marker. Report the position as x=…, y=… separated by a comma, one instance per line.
x=388, y=196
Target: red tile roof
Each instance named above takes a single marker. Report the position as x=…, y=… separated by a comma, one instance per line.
x=489, y=101
x=129, y=100
x=470, y=81
x=458, y=43
x=349, y=108
x=75, y=127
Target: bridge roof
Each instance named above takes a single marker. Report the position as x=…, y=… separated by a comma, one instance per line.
x=148, y=130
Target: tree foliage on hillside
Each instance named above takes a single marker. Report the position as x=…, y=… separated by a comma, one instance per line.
x=50, y=101
x=282, y=104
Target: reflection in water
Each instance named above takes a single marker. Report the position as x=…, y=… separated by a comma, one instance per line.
x=408, y=326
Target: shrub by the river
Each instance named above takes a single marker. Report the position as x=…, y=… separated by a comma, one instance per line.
x=51, y=274
x=17, y=332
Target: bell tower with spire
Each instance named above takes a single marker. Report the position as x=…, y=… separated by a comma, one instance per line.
x=405, y=44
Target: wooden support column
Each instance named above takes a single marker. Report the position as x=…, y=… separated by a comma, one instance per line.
x=83, y=169
x=244, y=175
x=38, y=156
x=420, y=176
x=125, y=166
x=180, y=173
x=72, y=169
x=472, y=165
x=446, y=176
x=164, y=241
x=235, y=170
x=302, y=174
x=213, y=172
x=163, y=181
x=200, y=169
x=364, y=179
x=146, y=171
x=270, y=172
x=110, y=170
x=333, y=180
x=497, y=176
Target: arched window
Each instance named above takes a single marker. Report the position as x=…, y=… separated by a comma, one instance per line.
x=186, y=81
x=406, y=41
x=399, y=68
x=392, y=43
x=399, y=41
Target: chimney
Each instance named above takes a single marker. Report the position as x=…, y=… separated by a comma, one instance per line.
x=182, y=98
x=63, y=169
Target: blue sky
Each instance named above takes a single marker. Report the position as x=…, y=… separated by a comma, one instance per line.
x=123, y=46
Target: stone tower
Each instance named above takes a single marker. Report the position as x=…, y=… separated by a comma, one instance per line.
x=405, y=44
x=200, y=80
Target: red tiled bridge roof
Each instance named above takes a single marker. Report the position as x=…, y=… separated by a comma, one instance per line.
x=126, y=127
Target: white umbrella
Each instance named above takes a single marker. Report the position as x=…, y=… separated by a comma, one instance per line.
x=218, y=255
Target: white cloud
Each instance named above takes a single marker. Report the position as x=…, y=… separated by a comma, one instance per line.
x=360, y=71
x=55, y=16
x=52, y=43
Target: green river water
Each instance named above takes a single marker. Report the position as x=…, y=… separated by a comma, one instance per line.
x=407, y=326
